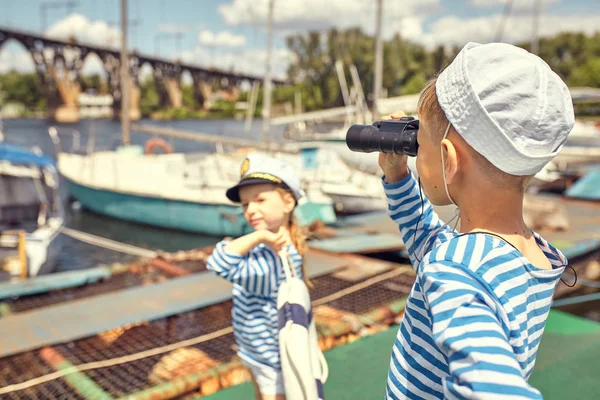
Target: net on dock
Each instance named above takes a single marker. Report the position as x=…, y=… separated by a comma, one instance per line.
x=347, y=307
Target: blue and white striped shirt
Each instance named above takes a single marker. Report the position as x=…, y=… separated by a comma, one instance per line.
x=475, y=315
x=256, y=278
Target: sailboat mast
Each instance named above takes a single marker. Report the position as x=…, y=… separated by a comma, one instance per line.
x=124, y=76
x=378, y=60
x=266, y=112
x=535, y=40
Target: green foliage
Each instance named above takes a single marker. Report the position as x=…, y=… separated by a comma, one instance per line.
x=22, y=88
x=95, y=82
x=587, y=74
x=178, y=113
x=407, y=66
x=415, y=84
x=149, y=98
x=406, y=69
x=189, y=97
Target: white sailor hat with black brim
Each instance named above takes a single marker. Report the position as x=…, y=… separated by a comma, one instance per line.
x=258, y=168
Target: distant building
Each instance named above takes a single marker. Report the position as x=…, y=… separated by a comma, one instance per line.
x=92, y=105
x=12, y=110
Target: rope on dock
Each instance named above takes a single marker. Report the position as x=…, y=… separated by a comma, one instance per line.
x=115, y=361
x=362, y=285
x=189, y=342
x=108, y=243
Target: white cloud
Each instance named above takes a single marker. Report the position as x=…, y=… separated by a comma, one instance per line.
x=85, y=31
x=293, y=15
x=173, y=28
x=17, y=59
x=453, y=30
x=518, y=5
x=221, y=39
x=247, y=61
x=92, y=65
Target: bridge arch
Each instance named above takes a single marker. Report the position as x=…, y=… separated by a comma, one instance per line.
x=14, y=55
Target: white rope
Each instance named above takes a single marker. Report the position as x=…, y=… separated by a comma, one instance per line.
x=115, y=361
x=109, y=244
x=188, y=342
x=362, y=285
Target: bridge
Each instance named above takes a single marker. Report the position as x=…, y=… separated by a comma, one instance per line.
x=58, y=65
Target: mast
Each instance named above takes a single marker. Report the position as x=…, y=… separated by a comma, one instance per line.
x=378, y=59
x=124, y=76
x=266, y=111
x=535, y=40
x=505, y=14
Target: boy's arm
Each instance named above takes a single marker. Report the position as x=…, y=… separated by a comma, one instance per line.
x=467, y=330
x=250, y=272
x=404, y=207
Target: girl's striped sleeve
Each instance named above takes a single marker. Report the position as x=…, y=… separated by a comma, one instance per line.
x=250, y=271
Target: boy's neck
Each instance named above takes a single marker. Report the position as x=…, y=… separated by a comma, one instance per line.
x=500, y=213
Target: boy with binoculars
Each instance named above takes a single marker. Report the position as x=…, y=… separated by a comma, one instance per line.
x=476, y=313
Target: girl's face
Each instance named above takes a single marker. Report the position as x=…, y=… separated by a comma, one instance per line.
x=265, y=207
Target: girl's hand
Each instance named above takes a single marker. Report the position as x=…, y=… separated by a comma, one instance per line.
x=394, y=166
x=276, y=241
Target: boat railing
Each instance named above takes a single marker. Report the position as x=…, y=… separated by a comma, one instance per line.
x=75, y=142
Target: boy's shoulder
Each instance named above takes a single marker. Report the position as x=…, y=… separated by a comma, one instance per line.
x=484, y=256
x=468, y=250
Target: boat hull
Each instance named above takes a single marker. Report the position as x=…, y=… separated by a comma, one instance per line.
x=50, y=248
x=209, y=219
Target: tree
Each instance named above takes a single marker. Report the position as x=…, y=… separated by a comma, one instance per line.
x=22, y=88
x=587, y=74
x=93, y=82
x=415, y=84
x=188, y=97
x=149, y=99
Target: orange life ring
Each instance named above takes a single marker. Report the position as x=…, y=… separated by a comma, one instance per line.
x=157, y=143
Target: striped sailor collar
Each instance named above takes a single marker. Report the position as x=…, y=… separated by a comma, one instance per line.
x=555, y=256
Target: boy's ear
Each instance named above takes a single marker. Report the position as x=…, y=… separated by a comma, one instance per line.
x=450, y=160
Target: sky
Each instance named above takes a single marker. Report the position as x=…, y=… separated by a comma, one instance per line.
x=231, y=34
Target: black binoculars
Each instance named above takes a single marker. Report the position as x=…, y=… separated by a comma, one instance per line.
x=392, y=136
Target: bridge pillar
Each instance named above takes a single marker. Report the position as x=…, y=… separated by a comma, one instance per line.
x=64, y=108
x=235, y=91
x=134, y=103
x=203, y=90
x=172, y=86
x=58, y=70
x=112, y=66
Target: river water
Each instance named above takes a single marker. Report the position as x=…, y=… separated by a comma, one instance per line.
x=107, y=134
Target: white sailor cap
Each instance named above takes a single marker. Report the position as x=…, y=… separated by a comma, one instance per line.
x=260, y=168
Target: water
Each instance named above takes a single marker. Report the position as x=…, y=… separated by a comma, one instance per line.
x=107, y=135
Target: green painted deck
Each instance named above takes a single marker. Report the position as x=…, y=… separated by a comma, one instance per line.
x=566, y=366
